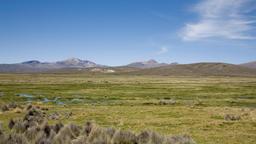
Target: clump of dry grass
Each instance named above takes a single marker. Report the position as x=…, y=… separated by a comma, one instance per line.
x=34, y=129
x=144, y=137
x=9, y=107
x=14, y=138
x=232, y=117
x=124, y=137
x=2, y=135
x=167, y=102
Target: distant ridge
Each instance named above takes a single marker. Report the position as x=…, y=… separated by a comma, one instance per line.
x=146, y=64
x=31, y=62
x=250, y=64
x=198, y=69
x=150, y=67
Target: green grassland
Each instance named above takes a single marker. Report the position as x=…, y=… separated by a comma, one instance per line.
x=170, y=105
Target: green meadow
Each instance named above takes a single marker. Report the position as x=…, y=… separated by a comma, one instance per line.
x=196, y=106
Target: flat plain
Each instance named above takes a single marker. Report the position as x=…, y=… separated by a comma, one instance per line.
x=196, y=106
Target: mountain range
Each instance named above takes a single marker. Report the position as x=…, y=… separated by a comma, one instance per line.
x=37, y=66
x=150, y=67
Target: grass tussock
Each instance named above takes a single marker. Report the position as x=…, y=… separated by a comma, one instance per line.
x=34, y=129
x=232, y=117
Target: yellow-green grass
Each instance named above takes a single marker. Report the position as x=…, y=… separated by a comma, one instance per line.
x=132, y=102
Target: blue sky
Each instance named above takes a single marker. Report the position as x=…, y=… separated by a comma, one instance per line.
x=117, y=32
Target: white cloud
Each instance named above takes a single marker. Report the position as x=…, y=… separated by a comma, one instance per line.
x=162, y=50
x=227, y=19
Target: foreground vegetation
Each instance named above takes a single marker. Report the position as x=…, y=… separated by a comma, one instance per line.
x=34, y=129
x=209, y=109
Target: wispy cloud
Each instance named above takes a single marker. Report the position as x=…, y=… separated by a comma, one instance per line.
x=162, y=50
x=229, y=19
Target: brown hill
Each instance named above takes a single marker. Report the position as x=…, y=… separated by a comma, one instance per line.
x=249, y=64
x=198, y=69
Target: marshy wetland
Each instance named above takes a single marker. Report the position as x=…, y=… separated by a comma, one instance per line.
x=209, y=109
